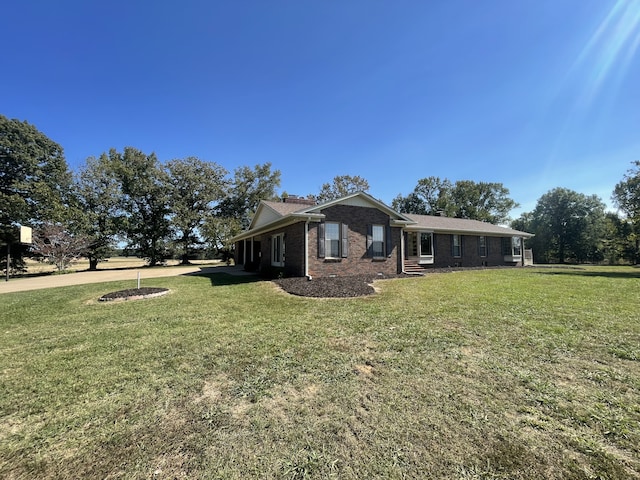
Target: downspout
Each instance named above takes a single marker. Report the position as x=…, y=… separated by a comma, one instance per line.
x=306, y=250
x=402, y=247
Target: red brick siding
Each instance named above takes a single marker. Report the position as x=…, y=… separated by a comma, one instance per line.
x=357, y=262
x=470, y=253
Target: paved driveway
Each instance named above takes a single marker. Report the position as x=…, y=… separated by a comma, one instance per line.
x=99, y=276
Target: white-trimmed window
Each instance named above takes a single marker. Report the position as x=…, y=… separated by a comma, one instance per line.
x=512, y=248
x=333, y=240
x=456, y=245
x=426, y=244
x=277, y=250
x=379, y=241
x=377, y=244
x=482, y=246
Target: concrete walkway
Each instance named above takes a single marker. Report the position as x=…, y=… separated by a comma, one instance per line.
x=100, y=276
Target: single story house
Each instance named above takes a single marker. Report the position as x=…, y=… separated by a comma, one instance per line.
x=358, y=234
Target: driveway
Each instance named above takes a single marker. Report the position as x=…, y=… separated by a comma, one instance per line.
x=100, y=276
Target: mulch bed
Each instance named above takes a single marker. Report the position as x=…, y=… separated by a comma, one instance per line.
x=350, y=286
x=134, y=294
x=333, y=287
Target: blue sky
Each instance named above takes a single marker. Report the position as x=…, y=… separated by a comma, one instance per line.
x=535, y=94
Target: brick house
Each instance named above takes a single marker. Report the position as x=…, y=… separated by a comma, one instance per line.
x=358, y=234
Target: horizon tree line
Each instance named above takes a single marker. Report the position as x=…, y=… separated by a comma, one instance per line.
x=184, y=206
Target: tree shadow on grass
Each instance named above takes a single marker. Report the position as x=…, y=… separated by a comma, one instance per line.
x=591, y=273
x=218, y=279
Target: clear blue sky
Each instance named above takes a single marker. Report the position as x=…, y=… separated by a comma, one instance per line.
x=535, y=94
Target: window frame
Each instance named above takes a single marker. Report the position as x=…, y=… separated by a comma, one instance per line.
x=327, y=240
x=458, y=237
x=512, y=248
x=323, y=241
x=277, y=242
x=381, y=229
x=483, y=246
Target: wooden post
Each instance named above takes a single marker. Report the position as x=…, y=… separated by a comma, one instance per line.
x=8, y=258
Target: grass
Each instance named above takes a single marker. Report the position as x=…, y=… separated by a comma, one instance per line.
x=494, y=374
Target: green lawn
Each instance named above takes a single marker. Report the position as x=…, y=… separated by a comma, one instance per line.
x=505, y=374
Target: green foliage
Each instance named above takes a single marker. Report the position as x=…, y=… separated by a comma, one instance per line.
x=145, y=202
x=34, y=177
x=626, y=194
x=248, y=188
x=35, y=183
x=194, y=188
x=484, y=201
x=218, y=233
x=567, y=225
x=620, y=240
x=342, y=186
x=100, y=208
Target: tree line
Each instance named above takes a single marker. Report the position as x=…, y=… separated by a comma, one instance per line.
x=184, y=206
x=156, y=210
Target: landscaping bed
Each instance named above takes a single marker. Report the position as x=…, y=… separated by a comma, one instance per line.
x=134, y=294
x=333, y=287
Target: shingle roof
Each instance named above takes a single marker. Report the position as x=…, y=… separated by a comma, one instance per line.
x=461, y=225
x=284, y=208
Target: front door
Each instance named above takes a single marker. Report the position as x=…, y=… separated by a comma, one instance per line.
x=420, y=247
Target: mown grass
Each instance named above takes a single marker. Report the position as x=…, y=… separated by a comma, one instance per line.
x=522, y=373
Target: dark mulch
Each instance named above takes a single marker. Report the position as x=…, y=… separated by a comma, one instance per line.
x=134, y=294
x=335, y=287
x=350, y=286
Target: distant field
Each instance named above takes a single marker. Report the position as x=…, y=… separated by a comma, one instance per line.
x=487, y=374
x=35, y=267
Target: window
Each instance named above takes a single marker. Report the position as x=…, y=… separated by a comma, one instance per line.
x=377, y=247
x=333, y=240
x=277, y=250
x=457, y=245
x=512, y=246
x=482, y=246
x=517, y=246
x=426, y=244
x=379, y=241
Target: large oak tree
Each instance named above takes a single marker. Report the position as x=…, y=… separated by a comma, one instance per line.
x=35, y=181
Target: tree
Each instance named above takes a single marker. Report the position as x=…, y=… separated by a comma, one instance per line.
x=567, y=225
x=436, y=195
x=621, y=242
x=248, y=188
x=193, y=188
x=626, y=194
x=341, y=186
x=99, y=201
x=57, y=246
x=484, y=201
x=35, y=180
x=218, y=233
x=412, y=203
x=145, y=203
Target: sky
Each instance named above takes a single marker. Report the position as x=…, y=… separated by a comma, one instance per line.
x=533, y=94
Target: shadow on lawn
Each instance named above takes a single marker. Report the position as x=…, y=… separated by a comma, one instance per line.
x=590, y=273
x=222, y=278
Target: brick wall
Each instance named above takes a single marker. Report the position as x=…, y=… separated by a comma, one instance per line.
x=357, y=262
x=470, y=253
